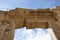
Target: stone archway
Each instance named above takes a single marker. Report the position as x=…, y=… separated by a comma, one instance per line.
x=41, y=18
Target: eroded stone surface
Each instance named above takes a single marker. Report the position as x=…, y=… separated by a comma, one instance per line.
x=30, y=18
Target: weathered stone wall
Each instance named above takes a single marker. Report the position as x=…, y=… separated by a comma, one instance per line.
x=2, y=15
x=17, y=17
x=57, y=14
x=26, y=18
x=21, y=17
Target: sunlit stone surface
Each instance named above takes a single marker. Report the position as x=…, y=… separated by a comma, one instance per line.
x=32, y=34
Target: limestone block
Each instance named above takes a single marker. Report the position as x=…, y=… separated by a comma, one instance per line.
x=31, y=14
x=56, y=10
x=2, y=16
x=58, y=15
x=42, y=24
x=19, y=24
x=44, y=15
x=31, y=18
x=31, y=24
x=18, y=18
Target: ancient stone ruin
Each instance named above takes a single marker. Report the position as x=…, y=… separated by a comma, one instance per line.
x=30, y=18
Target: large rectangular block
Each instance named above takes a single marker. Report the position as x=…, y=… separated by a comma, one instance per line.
x=18, y=18
x=42, y=24
x=31, y=24
x=19, y=24
x=31, y=18
x=57, y=14
x=36, y=24
x=44, y=14
x=2, y=16
x=31, y=14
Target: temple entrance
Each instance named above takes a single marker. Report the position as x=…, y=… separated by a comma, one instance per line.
x=33, y=33
x=29, y=18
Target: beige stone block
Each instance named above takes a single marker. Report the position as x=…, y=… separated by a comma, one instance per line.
x=44, y=15
x=42, y=24
x=58, y=15
x=31, y=24
x=19, y=24
x=30, y=18
x=2, y=16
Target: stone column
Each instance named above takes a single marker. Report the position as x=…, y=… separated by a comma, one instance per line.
x=55, y=28
x=9, y=31
x=2, y=30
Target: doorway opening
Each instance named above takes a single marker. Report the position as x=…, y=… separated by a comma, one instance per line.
x=34, y=34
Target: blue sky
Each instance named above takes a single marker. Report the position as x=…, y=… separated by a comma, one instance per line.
x=10, y=4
